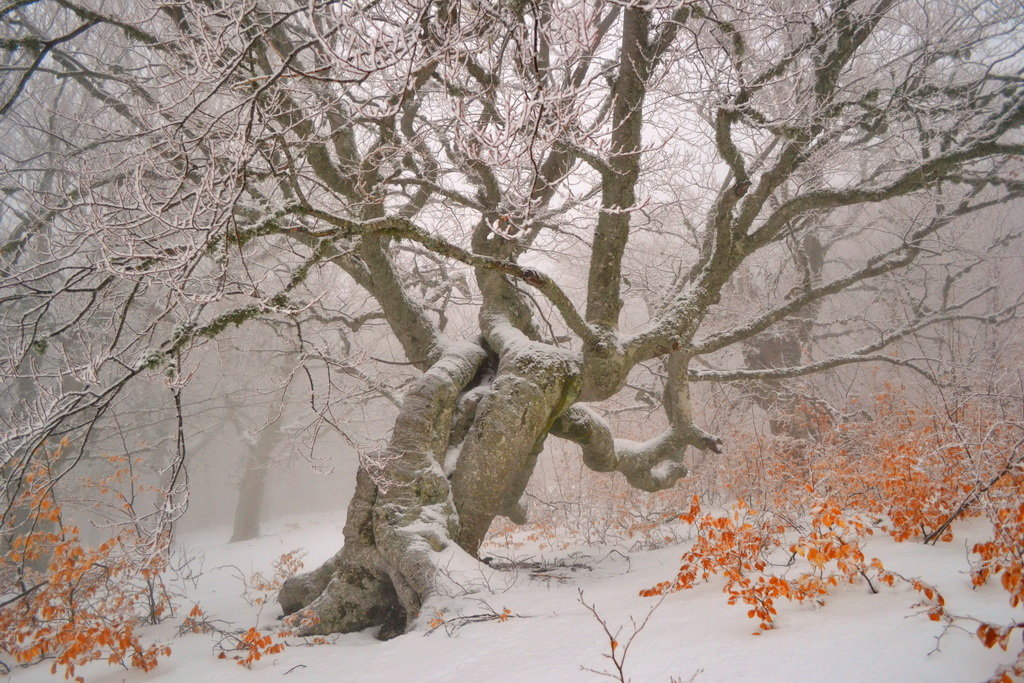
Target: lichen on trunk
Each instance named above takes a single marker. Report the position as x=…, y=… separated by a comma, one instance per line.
x=401, y=518
x=535, y=384
x=408, y=522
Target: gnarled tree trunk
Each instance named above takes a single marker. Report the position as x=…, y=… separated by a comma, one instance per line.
x=463, y=450
x=462, y=453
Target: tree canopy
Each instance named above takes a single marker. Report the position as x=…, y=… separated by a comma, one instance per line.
x=536, y=197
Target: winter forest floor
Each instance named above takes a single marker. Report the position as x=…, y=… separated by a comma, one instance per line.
x=889, y=550
x=547, y=634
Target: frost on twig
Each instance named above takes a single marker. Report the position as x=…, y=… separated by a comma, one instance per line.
x=618, y=649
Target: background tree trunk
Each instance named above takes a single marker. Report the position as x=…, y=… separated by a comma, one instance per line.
x=251, y=489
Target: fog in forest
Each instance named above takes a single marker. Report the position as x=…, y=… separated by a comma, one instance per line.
x=460, y=274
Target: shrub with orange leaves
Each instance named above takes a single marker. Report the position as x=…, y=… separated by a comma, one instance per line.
x=1003, y=557
x=834, y=537
x=254, y=646
x=260, y=589
x=251, y=644
x=737, y=546
x=68, y=602
x=734, y=546
x=911, y=469
x=907, y=471
x=453, y=623
x=991, y=635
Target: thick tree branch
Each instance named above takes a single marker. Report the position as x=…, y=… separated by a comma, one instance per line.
x=652, y=465
x=618, y=197
x=401, y=227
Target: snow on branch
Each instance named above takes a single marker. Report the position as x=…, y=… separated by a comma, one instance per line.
x=652, y=465
x=401, y=227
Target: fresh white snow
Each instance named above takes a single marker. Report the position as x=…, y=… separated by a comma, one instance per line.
x=857, y=637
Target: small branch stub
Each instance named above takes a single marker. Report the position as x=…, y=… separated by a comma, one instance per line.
x=741, y=188
x=534, y=277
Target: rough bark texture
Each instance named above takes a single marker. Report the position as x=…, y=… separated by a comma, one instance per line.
x=463, y=450
x=400, y=520
x=407, y=516
x=535, y=384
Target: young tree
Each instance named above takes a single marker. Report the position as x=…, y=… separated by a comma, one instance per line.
x=478, y=169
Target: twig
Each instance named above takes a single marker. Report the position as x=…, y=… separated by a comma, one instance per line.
x=936, y=533
x=23, y=594
x=618, y=651
x=453, y=624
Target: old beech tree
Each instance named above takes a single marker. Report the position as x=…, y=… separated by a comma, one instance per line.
x=592, y=174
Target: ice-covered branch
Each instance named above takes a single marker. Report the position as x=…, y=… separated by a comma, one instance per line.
x=878, y=266
x=914, y=179
x=652, y=465
x=868, y=352
x=403, y=228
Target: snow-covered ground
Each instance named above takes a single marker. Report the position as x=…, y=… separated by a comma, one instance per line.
x=551, y=636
